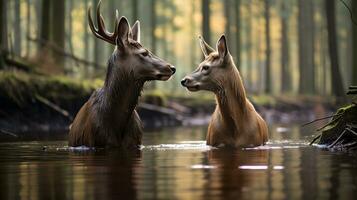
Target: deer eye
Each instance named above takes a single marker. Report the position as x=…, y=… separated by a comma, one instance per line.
x=144, y=53
x=205, y=67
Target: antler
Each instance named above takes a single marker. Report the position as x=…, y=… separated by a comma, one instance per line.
x=101, y=32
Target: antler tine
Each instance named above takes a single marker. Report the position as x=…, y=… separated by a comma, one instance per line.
x=101, y=32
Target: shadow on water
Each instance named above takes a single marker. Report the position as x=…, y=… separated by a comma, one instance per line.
x=176, y=163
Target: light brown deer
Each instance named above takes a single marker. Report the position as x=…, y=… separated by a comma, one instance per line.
x=109, y=117
x=234, y=121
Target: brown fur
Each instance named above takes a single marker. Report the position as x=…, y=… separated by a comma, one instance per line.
x=234, y=121
x=109, y=117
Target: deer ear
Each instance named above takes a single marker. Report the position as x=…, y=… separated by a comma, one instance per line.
x=206, y=49
x=222, y=46
x=135, y=30
x=123, y=32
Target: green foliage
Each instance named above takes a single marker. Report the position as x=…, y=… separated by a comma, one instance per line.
x=21, y=88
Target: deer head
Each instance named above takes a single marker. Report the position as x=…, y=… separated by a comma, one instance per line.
x=129, y=55
x=213, y=71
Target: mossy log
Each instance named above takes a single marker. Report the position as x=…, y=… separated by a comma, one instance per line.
x=340, y=132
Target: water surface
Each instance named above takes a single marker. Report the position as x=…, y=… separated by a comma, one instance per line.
x=176, y=164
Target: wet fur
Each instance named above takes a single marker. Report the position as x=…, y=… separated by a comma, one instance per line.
x=109, y=117
x=234, y=121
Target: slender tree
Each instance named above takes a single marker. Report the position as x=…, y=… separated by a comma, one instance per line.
x=17, y=28
x=153, y=25
x=227, y=8
x=58, y=28
x=86, y=35
x=45, y=23
x=192, y=32
x=134, y=11
x=96, y=42
x=238, y=30
x=354, y=38
x=337, y=85
x=268, y=48
x=3, y=32
x=306, y=47
x=206, y=30
x=285, y=69
x=28, y=26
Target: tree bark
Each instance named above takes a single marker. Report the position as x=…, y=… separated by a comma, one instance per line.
x=58, y=28
x=3, y=32
x=45, y=22
x=86, y=35
x=28, y=26
x=153, y=26
x=268, y=48
x=227, y=7
x=238, y=29
x=337, y=85
x=96, y=48
x=306, y=47
x=134, y=11
x=206, y=30
x=354, y=38
x=17, y=28
x=285, y=69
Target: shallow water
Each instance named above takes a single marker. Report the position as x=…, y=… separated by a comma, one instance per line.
x=176, y=164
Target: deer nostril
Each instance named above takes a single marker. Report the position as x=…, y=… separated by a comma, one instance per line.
x=173, y=69
x=183, y=81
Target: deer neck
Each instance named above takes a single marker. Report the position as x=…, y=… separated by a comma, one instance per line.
x=232, y=102
x=120, y=97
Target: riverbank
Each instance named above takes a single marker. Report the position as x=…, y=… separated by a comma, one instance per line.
x=30, y=102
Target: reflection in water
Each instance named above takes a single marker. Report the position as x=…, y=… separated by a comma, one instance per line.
x=175, y=164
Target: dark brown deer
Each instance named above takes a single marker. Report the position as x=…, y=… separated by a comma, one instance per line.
x=109, y=117
x=235, y=121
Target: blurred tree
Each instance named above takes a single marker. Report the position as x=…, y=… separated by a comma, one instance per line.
x=354, y=38
x=45, y=23
x=337, y=85
x=134, y=11
x=17, y=28
x=28, y=26
x=206, y=30
x=3, y=31
x=96, y=48
x=268, y=48
x=193, y=38
x=306, y=47
x=238, y=29
x=249, y=45
x=227, y=7
x=58, y=29
x=86, y=35
x=153, y=25
x=285, y=68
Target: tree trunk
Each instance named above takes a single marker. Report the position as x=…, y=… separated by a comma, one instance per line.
x=238, y=29
x=86, y=35
x=354, y=46
x=206, y=30
x=58, y=29
x=285, y=69
x=268, y=48
x=306, y=47
x=3, y=32
x=192, y=33
x=153, y=26
x=337, y=85
x=28, y=26
x=249, y=44
x=96, y=48
x=134, y=11
x=227, y=7
x=45, y=22
x=17, y=28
